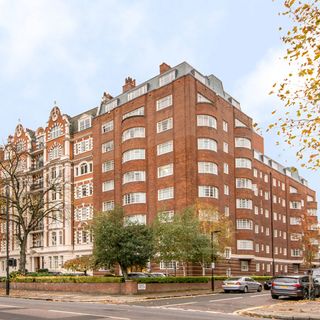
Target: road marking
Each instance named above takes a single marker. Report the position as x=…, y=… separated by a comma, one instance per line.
x=89, y=314
x=236, y=298
x=177, y=304
x=8, y=306
x=260, y=295
x=188, y=310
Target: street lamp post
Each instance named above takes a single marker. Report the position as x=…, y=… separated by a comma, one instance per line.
x=213, y=260
x=7, y=242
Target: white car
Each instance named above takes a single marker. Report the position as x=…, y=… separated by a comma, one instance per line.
x=243, y=284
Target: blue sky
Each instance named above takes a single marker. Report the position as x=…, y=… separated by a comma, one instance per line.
x=71, y=51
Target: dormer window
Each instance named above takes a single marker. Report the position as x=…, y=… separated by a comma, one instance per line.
x=84, y=124
x=167, y=78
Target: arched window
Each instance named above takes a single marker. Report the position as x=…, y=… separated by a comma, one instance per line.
x=55, y=152
x=83, y=168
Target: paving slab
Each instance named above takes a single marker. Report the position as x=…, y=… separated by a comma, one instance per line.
x=293, y=310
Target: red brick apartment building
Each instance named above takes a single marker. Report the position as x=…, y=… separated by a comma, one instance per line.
x=168, y=143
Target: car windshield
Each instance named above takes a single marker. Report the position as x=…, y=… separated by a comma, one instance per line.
x=234, y=279
x=286, y=280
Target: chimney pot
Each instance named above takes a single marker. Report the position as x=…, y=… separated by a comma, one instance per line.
x=129, y=83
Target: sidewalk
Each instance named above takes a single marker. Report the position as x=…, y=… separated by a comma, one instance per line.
x=291, y=310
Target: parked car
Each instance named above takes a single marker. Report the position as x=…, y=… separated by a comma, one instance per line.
x=244, y=284
x=156, y=274
x=135, y=275
x=267, y=284
x=293, y=286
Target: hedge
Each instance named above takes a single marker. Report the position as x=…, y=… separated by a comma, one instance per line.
x=64, y=279
x=172, y=280
x=203, y=279
x=99, y=279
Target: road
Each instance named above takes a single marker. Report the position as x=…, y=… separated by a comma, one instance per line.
x=227, y=303
x=218, y=306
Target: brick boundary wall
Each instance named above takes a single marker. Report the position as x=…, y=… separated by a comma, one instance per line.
x=126, y=288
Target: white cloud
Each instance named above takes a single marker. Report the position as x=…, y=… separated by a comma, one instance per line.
x=30, y=30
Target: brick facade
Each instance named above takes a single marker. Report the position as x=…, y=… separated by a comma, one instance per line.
x=143, y=150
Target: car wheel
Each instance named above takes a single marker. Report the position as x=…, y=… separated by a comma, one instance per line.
x=273, y=296
x=245, y=290
x=226, y=291
x=259, y=289
x=305, y=294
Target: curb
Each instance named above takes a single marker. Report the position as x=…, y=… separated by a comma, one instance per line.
x=269, y=316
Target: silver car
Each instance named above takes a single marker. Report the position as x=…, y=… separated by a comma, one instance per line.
x=243, y=284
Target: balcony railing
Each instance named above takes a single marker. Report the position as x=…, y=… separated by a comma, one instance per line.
x=36, y=186
x=37, y=166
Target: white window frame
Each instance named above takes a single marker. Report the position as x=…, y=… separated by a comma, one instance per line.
x=84, y=123
x=164, y=102
x=165, y=125
x=207, y=167
x=108, y=166
x=107, y=185
x=134, y=198
x=207, y=144
x=137, y=92
x=132, y=133
x=167, y=78
x=165, y=170
x=133, y=176
x=241, y=142
x=205, y=120
x=208, y=192
x=165, y=193
x=244, y=244
x=107, y=127
x=244, y=224
x=107, y=146
x=133, y=154
x=165, y=147
x=134, y=113
x=243, y=163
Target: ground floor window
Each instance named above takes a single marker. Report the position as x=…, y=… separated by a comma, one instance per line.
x=244, y=264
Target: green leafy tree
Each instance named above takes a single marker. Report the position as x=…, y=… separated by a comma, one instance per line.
x=81, y=264
x=180, y=239
x=117, y=241
x=299, y=123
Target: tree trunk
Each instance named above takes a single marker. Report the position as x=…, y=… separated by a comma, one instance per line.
x=124, y=272
x=23, y=255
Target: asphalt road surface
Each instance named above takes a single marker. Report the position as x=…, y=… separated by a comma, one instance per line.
x=227, y=303
x=198, y=309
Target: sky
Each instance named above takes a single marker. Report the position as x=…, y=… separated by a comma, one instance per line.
x=71, y=51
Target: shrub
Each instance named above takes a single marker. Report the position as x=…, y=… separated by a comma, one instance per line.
x=66, y=279
x=172, y=280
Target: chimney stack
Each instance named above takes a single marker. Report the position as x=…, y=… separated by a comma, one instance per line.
x=164, y=67
x=128, y=84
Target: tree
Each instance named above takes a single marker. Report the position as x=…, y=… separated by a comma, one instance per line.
x=187, y=239
x=300, y=90
x=29, y=206
x=81, y=264
x=310, y=239
x=218, y=226
x=118, y=241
